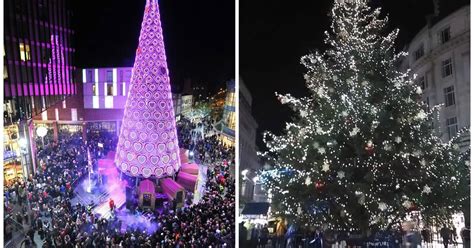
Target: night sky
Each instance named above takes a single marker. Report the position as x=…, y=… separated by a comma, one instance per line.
x=199, y=36
x=275, y=34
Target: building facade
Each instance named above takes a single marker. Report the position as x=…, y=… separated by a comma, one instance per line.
x=38, y=73
x=440, y=57
x=99, y=104
x=105, y=94
x=248, y=160
x=229, y=120
x=186, y=104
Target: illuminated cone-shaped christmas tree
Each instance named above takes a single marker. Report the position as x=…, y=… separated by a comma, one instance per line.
x=148, y=144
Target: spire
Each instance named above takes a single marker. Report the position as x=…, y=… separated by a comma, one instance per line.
x=148, y=144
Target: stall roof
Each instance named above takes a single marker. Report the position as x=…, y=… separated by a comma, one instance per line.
x=147, y=186
x=256, y=208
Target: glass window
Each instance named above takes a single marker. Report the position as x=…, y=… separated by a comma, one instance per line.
x=446, y=68
x=423, y=82
x=124, y=92
x=89, y=76
x=5, y=72
x=94, y=90
x=452, y=126
x=25, y=52
x=230, y=101
x=110, y=76
x=74, y=114
x=449, y=96
x=445, y=35
x=419, y=52
x=110, y=90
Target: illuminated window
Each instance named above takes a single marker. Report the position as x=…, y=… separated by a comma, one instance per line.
x=452, y=126
x=84, y=77
x=109, y=102
x=110, y=89
x=94, y=90
x=230, y=101
x=73, y=114
x=24, y=52
x=124, y=89
x=64, y=104
x=230, y=121
x=5, y=72
x=95, y=102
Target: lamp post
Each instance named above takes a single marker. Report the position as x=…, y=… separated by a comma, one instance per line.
x=23, y=146
x=41, y=132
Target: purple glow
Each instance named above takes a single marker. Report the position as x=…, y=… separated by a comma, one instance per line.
x=115, y=188
x=148, y=144
x=144, y=223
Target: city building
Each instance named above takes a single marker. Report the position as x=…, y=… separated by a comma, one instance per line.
x=229, y=117
x=248, y=160
x=186, y=104
x=38, y=73
x=177, y=104
x=440, y=57
x=217, y=105
x=105, y=94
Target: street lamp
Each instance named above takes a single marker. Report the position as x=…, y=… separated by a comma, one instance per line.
x=41, y=132
x=23, y=146
x=22, y=142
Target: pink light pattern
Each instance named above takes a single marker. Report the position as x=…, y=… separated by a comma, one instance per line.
x=148, y=144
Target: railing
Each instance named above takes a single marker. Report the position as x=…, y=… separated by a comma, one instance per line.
x=18, y=234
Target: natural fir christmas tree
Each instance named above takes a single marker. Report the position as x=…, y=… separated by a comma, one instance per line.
x=362, y=152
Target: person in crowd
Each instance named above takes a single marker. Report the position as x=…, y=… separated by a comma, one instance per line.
x=242, y=234
x=445, y=235
x=411, y=238
x=280, y=233
x=426, y=235
x=465, y=235
x=317, y=241
x=263, y=236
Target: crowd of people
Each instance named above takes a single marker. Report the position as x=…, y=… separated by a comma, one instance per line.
x=206, y=148
x=58, y=223
x=407, y=235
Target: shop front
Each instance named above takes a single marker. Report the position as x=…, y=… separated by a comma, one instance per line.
x=12, y=166
x=227, y=137
x=70, y=128
x=97, y=127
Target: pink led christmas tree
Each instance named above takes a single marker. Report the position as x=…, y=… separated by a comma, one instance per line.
x=148, y=144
